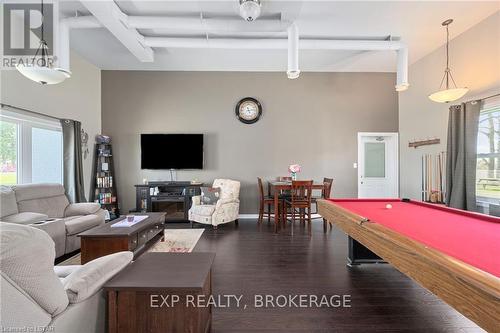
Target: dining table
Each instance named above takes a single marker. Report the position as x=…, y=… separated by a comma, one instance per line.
x=275, y=188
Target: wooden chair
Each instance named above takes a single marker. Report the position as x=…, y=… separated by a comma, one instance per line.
x=284, y=193
x=265, y=200
x=325, y=194
x=299, y=201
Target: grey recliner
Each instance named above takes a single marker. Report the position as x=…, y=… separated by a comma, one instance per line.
x=29, y=204
x=35, y=296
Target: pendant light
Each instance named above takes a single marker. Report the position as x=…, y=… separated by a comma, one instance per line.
x=41, y=70
x=453, y=93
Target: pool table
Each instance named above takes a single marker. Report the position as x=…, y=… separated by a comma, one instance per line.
x=453, y=253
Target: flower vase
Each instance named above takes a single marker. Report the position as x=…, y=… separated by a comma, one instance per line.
x=294, y=176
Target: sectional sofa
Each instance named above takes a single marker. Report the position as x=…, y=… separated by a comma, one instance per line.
x=46, y=207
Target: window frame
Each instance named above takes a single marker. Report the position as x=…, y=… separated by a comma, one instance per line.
x=485, y=202
x=25, y=123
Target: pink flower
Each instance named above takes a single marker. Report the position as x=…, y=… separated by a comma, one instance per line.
x=294, y=168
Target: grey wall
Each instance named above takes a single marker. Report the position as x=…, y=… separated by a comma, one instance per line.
x=77, y=98
x=312, y=121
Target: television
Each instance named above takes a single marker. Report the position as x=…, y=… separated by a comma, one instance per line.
x=171, y=151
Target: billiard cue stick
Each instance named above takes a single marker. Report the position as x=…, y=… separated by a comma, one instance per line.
x=440, y=178
x=436, y=175
x=430, y=178
x=422, y=175
x=444, y=175
x=426, y=176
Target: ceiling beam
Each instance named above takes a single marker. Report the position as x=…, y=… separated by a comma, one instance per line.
x=110, y=16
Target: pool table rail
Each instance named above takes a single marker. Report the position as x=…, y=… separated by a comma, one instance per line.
x=471, y=291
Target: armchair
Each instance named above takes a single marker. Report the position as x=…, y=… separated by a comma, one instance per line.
x=36, y=296
x=225, y=210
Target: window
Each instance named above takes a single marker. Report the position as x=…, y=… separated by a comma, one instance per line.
x=30, y=149
x=488, y=154
x=8, y=152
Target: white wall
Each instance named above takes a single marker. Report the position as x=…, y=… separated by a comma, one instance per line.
x=475, y=63
x=77, y=98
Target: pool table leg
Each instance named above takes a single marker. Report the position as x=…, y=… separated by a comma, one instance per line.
x=359, y=254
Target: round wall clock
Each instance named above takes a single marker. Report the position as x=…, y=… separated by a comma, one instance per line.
x=248, y=110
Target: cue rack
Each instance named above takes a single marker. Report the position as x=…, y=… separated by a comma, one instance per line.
x=434, y=177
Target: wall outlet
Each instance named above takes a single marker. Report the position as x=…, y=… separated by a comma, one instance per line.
x=355, y=165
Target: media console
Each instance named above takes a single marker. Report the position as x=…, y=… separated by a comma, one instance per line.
x=172, y=198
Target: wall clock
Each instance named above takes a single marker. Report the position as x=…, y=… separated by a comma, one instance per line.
x=248, y=110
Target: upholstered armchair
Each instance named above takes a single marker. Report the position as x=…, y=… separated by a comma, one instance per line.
x=38, y=297
x=225, y=210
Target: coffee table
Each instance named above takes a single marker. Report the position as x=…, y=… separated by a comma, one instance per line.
x=153, y=294
x=105, y=239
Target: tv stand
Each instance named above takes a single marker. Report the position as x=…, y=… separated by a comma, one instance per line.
x=171, y=197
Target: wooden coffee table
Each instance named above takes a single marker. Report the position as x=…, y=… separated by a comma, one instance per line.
x=104, y=239
x=140, y=297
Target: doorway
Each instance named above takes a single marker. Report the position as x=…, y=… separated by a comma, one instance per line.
x=378, y=161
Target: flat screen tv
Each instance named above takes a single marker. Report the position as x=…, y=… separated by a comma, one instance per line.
x=171, y=151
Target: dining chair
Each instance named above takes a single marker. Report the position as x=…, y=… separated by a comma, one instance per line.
x=299, y=201
x=265, y=200
x=326, y=193
x=284, y=193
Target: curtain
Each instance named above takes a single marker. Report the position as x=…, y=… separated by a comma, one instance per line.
x=72, y=160
x=461, y=163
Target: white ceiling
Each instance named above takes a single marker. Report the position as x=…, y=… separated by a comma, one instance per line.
x=418, y=23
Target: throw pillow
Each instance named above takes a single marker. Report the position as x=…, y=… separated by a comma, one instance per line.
x=209, y=195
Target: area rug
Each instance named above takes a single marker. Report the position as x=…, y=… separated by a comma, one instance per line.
x=176, y=240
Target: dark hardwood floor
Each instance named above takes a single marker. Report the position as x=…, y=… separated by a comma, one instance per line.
x=253, y=260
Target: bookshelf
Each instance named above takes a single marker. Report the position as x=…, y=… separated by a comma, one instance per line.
x=103, y=180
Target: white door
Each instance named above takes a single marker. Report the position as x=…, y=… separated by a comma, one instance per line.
x=378, y=172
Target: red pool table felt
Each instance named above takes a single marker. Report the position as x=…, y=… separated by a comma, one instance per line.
x=470, y=237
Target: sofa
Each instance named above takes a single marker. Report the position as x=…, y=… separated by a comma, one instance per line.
x=46, y=207
x=38, y=297
x=225, y=210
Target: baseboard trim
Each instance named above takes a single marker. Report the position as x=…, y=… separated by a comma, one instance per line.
x=255, y=216
x=248, y=216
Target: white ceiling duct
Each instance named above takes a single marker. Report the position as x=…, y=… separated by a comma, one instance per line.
x=283, y=44
x=293, y=70
x=204, y=24
x=141, y=45
x=272, y=43
x=402, y=68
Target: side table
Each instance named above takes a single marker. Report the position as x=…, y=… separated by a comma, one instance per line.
x=155, y=293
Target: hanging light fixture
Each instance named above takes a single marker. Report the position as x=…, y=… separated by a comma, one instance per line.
x=41, y=69
x=453, y=93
